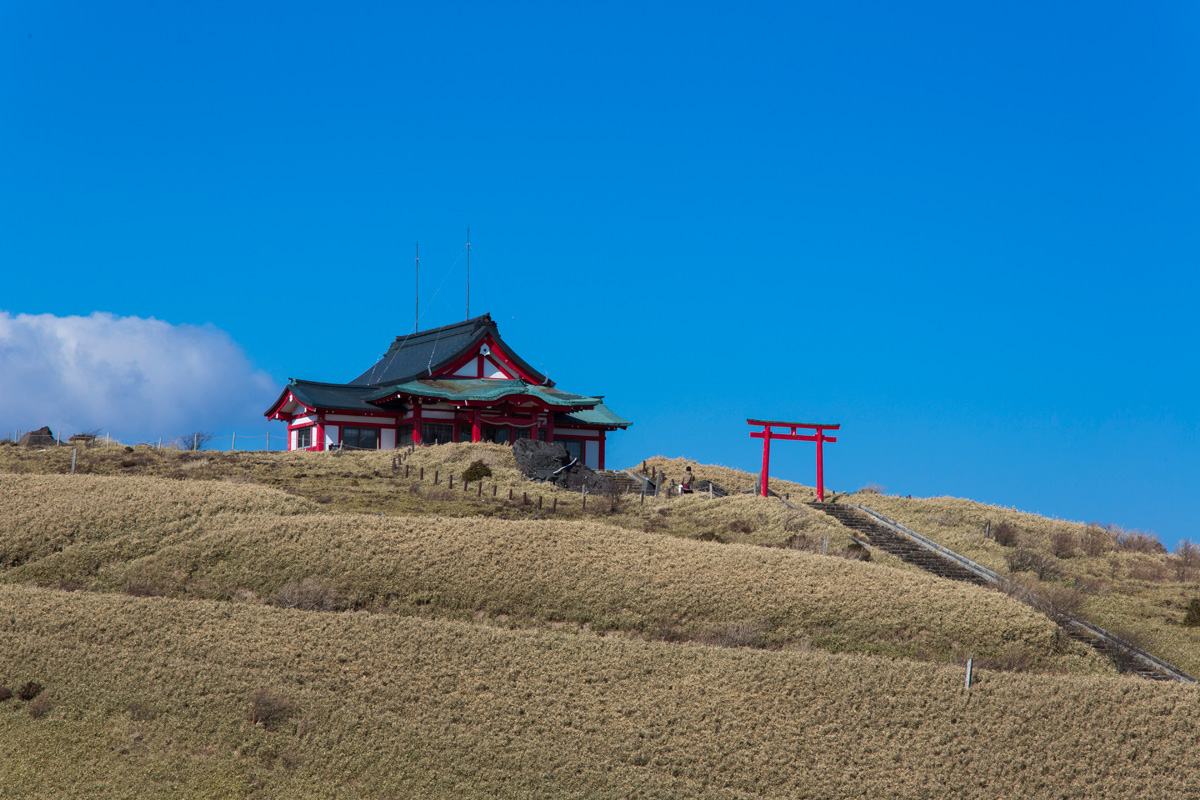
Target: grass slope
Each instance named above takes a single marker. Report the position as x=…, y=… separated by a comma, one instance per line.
x=151, y=697
x=1121, y=580
x=224, y=541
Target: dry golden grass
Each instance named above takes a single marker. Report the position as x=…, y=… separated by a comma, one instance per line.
x=447, y=695
x=153, y=697
x=1134, y=594
x=388, y=483
x=227, y=541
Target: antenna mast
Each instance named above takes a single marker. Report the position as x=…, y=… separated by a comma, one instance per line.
x=416, y=284
x=468, y=272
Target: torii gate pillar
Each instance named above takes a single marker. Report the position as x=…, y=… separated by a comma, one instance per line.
x=818, y=436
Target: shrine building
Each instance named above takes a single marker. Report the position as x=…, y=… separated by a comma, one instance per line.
x=456, y=383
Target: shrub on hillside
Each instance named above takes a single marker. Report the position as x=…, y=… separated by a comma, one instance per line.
x=1191, y=615
x=142, y=711
x=142, y=587
x=856, y=552
x=1096, y=541
x=1040, y=564
x=1187, y=557
x=5, y=693
x=476, y=471
x=41, y=707
x=741, y=634
x=1132, y=541
x=269, y=708
x=310, y=594
x=29, y=691
x=1062, y=602
x=796, y=521
x=1062, y=543
x=1005, y=533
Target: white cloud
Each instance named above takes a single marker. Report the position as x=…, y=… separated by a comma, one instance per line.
x=138, y=378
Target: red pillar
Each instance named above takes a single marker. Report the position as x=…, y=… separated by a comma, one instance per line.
x=766, y=457
x=476, y=428
x=820, y=465
x=416, y=420
x=320, y=442
x=601, y=461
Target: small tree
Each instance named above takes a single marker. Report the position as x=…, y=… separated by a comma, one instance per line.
x=1187, y=556
x=195, y=440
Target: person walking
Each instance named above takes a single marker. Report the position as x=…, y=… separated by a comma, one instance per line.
x=685, y=483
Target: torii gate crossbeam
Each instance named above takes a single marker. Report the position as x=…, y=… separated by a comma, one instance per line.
x=766, y=434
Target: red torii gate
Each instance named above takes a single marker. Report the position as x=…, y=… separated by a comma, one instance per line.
x=819, y=437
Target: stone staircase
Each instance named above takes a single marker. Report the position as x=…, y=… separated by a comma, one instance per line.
x=878, y=536
x=877, y=531
x=626, y=483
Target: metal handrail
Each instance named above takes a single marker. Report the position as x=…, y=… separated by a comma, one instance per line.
x=995, y=578
x=978, y=569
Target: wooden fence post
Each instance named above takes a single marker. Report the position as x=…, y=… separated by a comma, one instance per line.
x=539, y=502
x=74, y=452
x=969, y=665
x=422, y=477
x=554, y=510
x=435, y=477
x=451, y=480
x=524, y=498
x=233, y=443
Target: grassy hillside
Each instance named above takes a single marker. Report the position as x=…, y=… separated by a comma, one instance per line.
x=1121, y=580
x=394, y=637
x=229, y=541
x=154, y=697
x=404, y=484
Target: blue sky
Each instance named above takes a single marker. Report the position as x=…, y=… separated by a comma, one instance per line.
x=967, y=232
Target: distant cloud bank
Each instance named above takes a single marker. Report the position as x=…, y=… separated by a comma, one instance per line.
x=136, y=378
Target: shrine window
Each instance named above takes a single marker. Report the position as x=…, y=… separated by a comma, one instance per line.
x=360, y=438
x=436, y=433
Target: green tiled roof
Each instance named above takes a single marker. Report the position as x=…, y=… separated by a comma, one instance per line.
x=333, y=395
x=483, y=390
x=600, y=415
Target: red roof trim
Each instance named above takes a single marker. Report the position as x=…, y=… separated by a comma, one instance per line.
x=284, y=397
